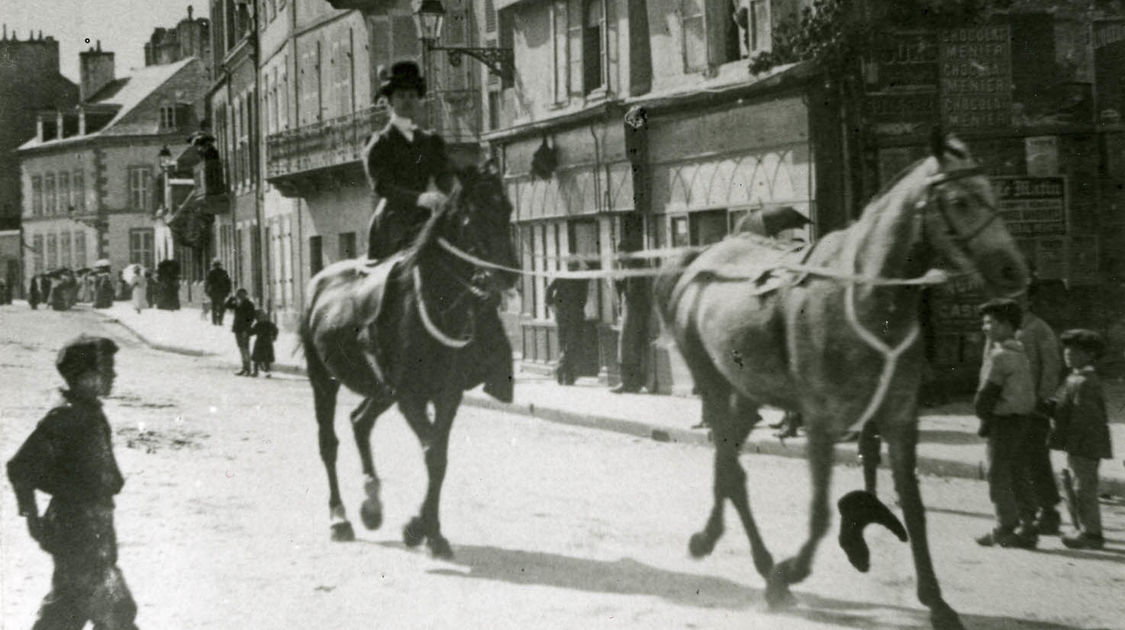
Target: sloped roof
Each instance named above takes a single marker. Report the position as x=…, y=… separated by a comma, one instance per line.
x=125, y=93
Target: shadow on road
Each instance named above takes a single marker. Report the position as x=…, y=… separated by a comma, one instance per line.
x=626, y=576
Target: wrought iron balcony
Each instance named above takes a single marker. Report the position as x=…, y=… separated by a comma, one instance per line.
x=322, y=145
x=337, y=143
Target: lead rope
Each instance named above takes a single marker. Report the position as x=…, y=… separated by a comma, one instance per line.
x=429, y=325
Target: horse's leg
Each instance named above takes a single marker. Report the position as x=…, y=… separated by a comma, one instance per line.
x=901, y=442
x=325, y=389
x=716, y=398
x=428, y=524
x=870, y=442
x=363, y=420
x=744, y=417
x=798, y=567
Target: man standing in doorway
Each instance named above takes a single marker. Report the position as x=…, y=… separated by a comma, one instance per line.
x=632, y=347
x=567, y=296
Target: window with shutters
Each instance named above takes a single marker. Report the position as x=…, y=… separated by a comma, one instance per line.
x=694, y=27
x=37, y=246
x=283, y=106
x=52, y=251
x=167, y=116
x=65, y=259
x=493, y=109
x=507, y=37
x=50, y=193
x=316, y=255
x=489, y=16
x=140, y=185
x=574, y=48
x=759, y=26
x=64, y=193
x=78, y=191
x=36, y=195
x=140, y=247
x=79, y=250
x=559, y=26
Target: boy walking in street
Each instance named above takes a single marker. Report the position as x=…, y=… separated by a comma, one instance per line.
x=1005, y=397
x=1081, y=429
x=265, y=334
x=244, y=316
x=69, y=455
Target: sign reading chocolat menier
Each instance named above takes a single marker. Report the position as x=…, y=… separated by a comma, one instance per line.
x=976, y=77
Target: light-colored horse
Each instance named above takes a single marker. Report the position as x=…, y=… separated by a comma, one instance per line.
x=835, y=341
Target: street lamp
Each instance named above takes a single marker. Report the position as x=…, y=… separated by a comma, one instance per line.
x=429, y=17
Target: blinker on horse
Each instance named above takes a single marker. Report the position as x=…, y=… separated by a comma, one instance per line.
x=403, y=331
x=787, y=347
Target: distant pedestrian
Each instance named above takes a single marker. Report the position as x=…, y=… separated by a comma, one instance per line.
x=632, y=346
x=244, y=314
x=217, y=287
x=38, y=291
x=69, y=456
x=103, y=289
x=265, y=334
x=1045, y=359
x=150, y=288
x=567, y=296
x=1081, y=429
x=139, y=289
x=5, y=292
x=1005, y=397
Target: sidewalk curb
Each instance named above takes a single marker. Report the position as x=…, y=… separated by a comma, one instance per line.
x=845, y=454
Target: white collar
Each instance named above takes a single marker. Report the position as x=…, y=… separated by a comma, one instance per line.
x=404, y=125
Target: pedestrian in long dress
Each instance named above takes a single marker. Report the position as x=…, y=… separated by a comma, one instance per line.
x=103, y=290
x=567, y=296
x=140, y=291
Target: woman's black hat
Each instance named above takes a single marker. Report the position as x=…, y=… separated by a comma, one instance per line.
x=402, y=75
x=81, y=354
x=1084, y=339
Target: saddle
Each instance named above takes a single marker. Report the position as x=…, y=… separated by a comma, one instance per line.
x=768, y=272
x=376, y=285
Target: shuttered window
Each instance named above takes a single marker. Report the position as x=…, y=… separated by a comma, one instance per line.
x=49, y=193
x=574, y=47
x=78, y=191
x=559, y=26
x=593, y=45
x=489, y=16
x=694, y=35
x=36, y=195
x=140, y=178
x=79, y=250
x=64, y=193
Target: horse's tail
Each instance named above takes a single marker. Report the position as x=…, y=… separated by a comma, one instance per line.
x=304, y=328
x=664, y=287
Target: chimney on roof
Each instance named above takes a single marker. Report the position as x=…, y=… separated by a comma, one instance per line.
x=96, y=71
x=189, y=10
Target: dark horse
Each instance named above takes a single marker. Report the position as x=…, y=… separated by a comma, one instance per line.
x=402, y=332
x=835, y=340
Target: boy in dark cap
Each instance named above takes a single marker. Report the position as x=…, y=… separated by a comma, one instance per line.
x=69, y=456
x=1080, y=428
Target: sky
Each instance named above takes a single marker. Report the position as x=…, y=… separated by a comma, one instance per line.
x=123, y=26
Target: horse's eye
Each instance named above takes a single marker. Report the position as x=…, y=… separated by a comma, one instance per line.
x=960, y=205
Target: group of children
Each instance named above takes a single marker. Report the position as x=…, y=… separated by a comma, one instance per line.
x=252, y=322
x=1011, y=406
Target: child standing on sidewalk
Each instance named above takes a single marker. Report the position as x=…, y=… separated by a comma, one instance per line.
x=69, y=455
x=1005, y=398
x=1081, y=429
x=265, y=333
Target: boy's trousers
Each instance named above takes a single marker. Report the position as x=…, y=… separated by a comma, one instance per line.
x=1085, y=473
x=86, y=588
x=1008, y=485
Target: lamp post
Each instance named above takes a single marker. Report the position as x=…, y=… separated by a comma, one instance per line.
x=429, y=17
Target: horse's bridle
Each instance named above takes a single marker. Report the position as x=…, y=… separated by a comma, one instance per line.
x=961, y=239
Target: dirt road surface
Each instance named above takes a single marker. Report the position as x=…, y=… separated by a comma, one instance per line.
x=223, y=521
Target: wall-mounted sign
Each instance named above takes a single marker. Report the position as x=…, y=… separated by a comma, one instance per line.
x=976, y=77
x=1042, y=155
x=1032, y=206
x=900, y=78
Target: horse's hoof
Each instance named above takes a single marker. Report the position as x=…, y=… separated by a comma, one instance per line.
x=942, y=617
x=342, y=532
x=413, y=533
x=701, y=545
x=778, y=595
x=372, y=514
x=439, y=548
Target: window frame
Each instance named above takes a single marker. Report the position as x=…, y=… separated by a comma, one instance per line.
x=40, y=253
x=601, y=40
x=63, y=179
x=145, y=253
x=560, y=42
x=78, y=190
x=50, y=195
x=139, y=191
x=79, y=240
x=168, y=116
x=701, y=17
x=37, y=195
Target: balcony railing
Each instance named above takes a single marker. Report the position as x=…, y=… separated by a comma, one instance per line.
x=323, y=144
x=340, y=141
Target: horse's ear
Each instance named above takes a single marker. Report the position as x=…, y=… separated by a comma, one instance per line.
x=937, y=141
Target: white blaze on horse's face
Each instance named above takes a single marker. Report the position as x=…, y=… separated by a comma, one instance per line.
x=963, y=226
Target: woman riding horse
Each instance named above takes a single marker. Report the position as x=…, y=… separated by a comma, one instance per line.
x=401, y=161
